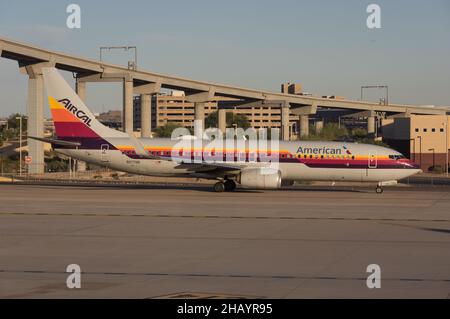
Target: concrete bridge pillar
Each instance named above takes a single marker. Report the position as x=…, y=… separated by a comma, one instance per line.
x=199, y=118
x=146, y=115
x=35, y=112
x=80, y=87
x=81, y=90
x=319, y=126
x=222, y=120
x=127, y=116
x=371, y=125
x=304, y=125
x=285, y=122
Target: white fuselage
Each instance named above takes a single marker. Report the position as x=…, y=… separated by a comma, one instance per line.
x=304, y=161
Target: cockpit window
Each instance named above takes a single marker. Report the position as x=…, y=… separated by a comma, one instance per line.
x=396, y=157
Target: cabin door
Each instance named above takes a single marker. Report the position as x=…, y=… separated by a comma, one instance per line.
x=104, y=155
x=372, y=160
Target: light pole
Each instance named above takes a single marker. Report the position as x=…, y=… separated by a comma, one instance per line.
x=434, y=162
x=446, y=146
x=132, y=65
x=1, y=159
x=420, y=150
x=414, y=149
x=386, y=100
x=20, y=144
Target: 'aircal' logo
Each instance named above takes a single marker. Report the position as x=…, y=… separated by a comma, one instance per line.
x=75, y=111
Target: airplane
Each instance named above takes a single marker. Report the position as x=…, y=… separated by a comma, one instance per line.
x=81, y=136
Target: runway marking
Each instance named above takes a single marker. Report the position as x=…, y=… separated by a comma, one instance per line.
x=210, y=238
x=207, y=275
x=227, y=217
x=203, y=295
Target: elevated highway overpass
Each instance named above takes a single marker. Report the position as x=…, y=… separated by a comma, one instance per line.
x=31, y=59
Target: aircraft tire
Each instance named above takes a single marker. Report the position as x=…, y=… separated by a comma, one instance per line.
x=230, y=185
x=219, y=187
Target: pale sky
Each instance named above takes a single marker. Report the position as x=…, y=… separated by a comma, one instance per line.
x=323, y=44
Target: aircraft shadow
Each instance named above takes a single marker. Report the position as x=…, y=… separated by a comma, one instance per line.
x=200, y=188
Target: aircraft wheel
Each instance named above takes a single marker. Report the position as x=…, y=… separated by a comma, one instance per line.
x=379, y=190
x=219, y=187
x=230, y=185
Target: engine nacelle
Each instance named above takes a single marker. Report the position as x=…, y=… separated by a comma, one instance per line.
x=260, y=178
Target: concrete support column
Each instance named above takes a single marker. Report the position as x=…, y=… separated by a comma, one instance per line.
x=35, y=110
x=81, y=91
x=285, y=122
x=319, y=126
x=127, y=116
x=199, y=117
x=304, y=125
x=371, y=125
x=222, y=120
x=146, y=115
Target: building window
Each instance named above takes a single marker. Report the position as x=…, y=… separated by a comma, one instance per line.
x=433, y=130
x=417, y=130
x=441, y=130
x=425, y=130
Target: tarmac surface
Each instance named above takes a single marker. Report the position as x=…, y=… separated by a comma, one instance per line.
x=167, y=242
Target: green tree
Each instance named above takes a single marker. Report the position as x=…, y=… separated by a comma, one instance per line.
x=13, y=122
x=330, y=132
x=359, y=133
x=57, y=164
x=167, y=129
x=240, y=120
x=334, y=132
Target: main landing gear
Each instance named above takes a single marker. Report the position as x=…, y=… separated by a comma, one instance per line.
x=227, y=186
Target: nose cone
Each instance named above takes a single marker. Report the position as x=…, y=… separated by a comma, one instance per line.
x=409, y=164
x=411, y=168
x=415, y=166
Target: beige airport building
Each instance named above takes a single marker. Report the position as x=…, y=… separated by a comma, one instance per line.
x=173, y=107
x=424, y=139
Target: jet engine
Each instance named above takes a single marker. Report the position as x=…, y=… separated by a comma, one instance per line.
x=260, y=178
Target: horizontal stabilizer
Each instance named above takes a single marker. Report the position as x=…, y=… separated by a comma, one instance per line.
x=55, y=141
